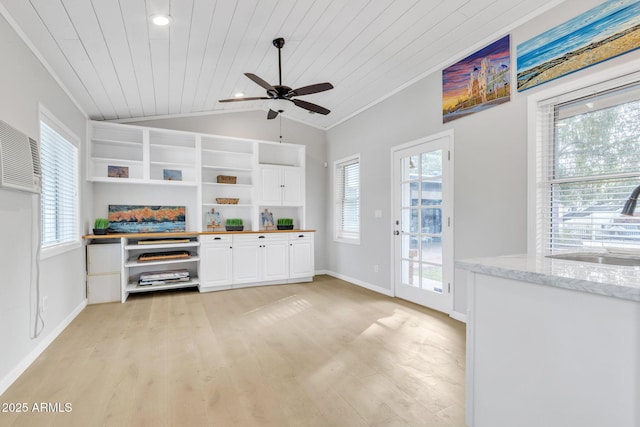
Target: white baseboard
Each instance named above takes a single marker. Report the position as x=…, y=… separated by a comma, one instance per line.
x=318, y=272
x=366, y=285
x=6, y=382
x=458, y=316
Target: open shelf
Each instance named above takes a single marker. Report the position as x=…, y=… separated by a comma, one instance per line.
x=133, y=262
x=134, y=287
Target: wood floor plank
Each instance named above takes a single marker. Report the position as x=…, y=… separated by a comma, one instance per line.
x=325, y=353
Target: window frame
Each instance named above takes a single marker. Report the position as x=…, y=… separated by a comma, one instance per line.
x=538, y=151
x=45, y=116
x=340, y=235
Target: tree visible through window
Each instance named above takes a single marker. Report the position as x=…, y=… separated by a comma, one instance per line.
x=591, y=167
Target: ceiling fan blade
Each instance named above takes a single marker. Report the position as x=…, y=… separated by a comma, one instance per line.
x=307, y=90
x=259, y=81
x=272, y=114
x=311, y=107
x=255, y=98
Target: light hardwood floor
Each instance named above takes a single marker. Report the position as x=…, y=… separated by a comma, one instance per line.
x=325, y=353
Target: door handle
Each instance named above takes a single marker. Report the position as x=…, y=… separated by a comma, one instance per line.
x=397, y=233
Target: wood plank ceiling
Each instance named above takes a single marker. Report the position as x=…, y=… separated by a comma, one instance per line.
x=119, y=65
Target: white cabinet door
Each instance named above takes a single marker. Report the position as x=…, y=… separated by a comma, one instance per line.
x=301, y=255
x=247, y=263
x=281, y=185
x=270, y=185
x=275, y=260
x=293, y=186
x=216, y=262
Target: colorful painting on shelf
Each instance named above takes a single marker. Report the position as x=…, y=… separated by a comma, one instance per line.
x=604, y=32
x=479, y=81
x=117, y=171
x=146, y=219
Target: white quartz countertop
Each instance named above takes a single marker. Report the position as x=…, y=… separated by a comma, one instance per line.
x=609, y=280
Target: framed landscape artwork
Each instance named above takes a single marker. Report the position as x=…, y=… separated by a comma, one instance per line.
x=479, y=81
x=146, y=219
x=606, y=31
x=117, y=171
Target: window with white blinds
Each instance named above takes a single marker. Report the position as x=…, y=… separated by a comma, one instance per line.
x=59, y=198
x=347, y=200
x=588, y=165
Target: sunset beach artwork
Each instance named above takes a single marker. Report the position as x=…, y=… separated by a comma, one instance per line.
x=604, y=32
x=146, y=219
x=479, y=81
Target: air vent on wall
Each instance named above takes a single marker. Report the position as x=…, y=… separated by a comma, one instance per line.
x=19, y=160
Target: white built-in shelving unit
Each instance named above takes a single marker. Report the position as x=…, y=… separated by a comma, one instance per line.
x=269, y=175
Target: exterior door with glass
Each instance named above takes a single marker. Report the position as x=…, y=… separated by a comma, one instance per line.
x=423, y=243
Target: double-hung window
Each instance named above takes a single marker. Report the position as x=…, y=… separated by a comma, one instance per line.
x=59, y=198
x=347, y=200
x=588, y=165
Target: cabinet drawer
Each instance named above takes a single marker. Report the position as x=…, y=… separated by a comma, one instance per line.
x=301, y=236
x=266, y=237
x=223, y=238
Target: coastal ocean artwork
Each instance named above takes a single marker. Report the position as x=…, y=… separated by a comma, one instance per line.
x=146, y=219
x=479, y=81
x=606, y=31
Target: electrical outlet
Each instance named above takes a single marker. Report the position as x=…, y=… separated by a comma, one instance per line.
x=376, y=268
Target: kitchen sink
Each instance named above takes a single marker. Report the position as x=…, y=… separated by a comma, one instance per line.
x=611, y=259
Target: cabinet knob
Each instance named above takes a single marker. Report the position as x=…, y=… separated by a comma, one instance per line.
x=300, y=235
x=217, y=238
x=260, y=237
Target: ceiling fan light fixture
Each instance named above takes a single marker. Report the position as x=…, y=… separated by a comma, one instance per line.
x=161, y=20
x=279, y=105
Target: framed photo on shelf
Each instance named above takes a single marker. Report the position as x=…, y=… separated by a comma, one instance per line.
x=266, y=219
x=117, y=171
x=214, y=220
x=172, y=174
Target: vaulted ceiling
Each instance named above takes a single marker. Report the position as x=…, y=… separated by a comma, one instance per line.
x=118, y=65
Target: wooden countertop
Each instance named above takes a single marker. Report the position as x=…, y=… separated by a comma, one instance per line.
x=186, y=233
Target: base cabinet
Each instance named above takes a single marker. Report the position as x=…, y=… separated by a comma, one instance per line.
x=301, y=255
x=103, y=273
x=216, y=262
x=260, y=258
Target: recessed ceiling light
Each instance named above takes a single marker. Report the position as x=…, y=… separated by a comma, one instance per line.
x=161, y=20
x=239, y=95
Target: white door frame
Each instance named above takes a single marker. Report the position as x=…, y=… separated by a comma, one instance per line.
x=448, y=267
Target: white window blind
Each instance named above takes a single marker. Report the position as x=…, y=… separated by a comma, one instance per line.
x=59, y=198
x=347, y=199
x=588, y=165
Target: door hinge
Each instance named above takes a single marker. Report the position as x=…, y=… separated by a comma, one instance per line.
x=448, y=221
x=448, y=154
x=449, y=287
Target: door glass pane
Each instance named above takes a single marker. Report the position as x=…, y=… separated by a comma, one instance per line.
x=406, y=194
x=409, y=246
x=432, y=164
x=414, y=225
x=411, y=273
x=432, y=192
x=431, y=249
x=431, y=220
x=415, y=193
x=431, y=278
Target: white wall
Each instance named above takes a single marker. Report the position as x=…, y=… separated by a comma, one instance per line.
x=490, y=160
x=24, y=83
x=254, y=124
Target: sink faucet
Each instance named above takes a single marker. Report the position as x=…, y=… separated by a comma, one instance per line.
x=630, y=205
